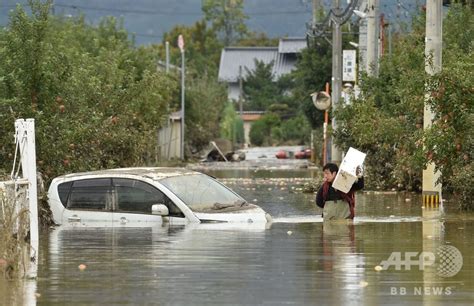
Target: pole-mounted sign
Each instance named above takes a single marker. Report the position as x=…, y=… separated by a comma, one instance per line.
x=181, y=42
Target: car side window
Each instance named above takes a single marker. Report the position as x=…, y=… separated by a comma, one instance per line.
x=91, y=194
x=138, y=197
x=63, y=191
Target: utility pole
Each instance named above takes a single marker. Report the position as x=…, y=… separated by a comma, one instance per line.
x=241, y=93
x=372, y=37
x=167, y=48
x=362, y=48
x=433, y=63
x=381, y=36
x=390, y=39
x=181, y=47
x=316, y=7
x=336, y=80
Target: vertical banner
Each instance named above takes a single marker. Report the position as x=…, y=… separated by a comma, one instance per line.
x=349, y=65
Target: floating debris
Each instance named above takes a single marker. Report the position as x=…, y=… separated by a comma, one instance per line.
x=289, y=233
x=378, y=268
x=363, y=284
x=82, y=267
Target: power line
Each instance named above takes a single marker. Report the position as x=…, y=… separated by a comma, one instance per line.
x=146, y=35
x=126, y=11
x=167, y=13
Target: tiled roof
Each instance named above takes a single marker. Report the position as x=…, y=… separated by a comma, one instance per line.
x=283, y=57
x=291, y=44
x=233, y=57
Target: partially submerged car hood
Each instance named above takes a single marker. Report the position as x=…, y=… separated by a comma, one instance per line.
x=249, y=215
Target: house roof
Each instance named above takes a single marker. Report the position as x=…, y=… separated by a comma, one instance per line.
x=291, y=44
x=234, y=57
x=282, y=56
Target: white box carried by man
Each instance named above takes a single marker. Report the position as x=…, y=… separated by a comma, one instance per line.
x=346, y=176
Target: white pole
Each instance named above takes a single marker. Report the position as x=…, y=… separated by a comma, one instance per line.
x=26, y=133
x=433, y=63
x=362, y=40
x=167, y=48
x=182, y=104
x=372, y=37
x=181, y=48
x=336, y=80
x=316, y=7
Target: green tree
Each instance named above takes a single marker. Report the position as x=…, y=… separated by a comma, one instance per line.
x=205, y=102
x=259, y=87
x=97, y=101
x=313, y=70
x=261, y=131
x=232, y=127
x=295, y=131
x=387, y=120
x=227, y=18
x=257, y=39
x=450, y=141
x=202, y=48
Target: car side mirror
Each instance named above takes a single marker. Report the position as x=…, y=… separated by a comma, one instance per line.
x=159, y=209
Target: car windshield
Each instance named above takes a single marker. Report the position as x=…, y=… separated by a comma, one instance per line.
x=202, y=193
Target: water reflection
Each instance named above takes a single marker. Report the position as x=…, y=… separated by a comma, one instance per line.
x=18, y=292
x=297, y=260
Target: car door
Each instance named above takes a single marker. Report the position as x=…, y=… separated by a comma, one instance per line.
x=89, y=202
x=134, y=199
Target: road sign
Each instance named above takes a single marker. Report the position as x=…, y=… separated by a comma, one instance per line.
x=181, y=42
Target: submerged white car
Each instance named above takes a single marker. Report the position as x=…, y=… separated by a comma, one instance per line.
x=147, y=197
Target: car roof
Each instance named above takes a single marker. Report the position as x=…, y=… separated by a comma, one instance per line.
x=155, y=173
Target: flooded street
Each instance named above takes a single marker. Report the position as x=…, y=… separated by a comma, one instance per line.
x=296, y=260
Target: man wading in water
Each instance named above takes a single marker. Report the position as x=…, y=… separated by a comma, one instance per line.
x=336, y=204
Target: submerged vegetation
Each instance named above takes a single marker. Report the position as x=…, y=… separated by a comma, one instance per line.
x=14, y=246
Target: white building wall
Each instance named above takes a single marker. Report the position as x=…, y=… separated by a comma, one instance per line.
x=233, y=91
x=247, y=127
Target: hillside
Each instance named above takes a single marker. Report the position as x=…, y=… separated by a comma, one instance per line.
x=149, y=19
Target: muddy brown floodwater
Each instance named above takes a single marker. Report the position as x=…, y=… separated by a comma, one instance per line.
x=395, y=252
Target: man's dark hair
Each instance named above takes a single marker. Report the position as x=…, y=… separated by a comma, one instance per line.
x=331, y=167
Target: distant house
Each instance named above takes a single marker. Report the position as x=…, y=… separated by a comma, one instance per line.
x=235, y=60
